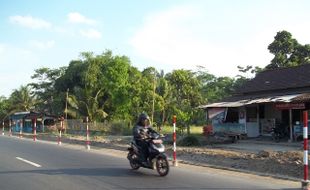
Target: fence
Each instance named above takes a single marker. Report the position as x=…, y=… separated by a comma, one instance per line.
x=96, y=128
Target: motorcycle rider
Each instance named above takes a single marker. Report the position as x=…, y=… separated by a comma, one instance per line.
x=140, y=133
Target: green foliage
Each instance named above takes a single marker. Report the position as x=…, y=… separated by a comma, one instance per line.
x=214, y=89
x=22, y=100
x=4, y=108
x=190, y=140
x=185, y=95
x=44, y=89
x=86, y=104
x=287, y=51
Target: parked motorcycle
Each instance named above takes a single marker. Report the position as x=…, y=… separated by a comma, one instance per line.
x=157, y=158
x=278, y=133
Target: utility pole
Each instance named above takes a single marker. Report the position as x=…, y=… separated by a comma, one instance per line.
x=66, y=110
x=153, y=107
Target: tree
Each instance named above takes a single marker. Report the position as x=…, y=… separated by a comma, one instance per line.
x=214, y=89
x=282, y=47
x=115, y=78
x=185, y=94
x=164, y=97
x=22, y=100
x=44, y=89
x=86, y=104
x=4, y=107
x=301, y=55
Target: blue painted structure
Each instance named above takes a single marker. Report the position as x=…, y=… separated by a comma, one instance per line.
x=26, y=119
x=17, y=119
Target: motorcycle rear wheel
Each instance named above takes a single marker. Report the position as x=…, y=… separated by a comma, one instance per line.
x=133, y=164
x=162, y=166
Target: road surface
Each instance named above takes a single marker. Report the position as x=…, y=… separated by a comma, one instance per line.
x=28, y=165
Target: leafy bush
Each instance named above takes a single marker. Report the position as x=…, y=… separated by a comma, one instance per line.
x=189, y=141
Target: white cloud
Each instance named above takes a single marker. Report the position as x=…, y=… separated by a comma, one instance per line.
x=75, y=17
x=183, y=37
x=91, y=33
x=167, y=38
x=42, y=45
x=30, y=22
x=174, y=39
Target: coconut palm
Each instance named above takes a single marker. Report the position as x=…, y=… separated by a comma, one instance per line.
x=22, y=100
x=84, y=104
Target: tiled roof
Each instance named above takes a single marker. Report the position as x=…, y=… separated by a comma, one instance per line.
x=278, y=80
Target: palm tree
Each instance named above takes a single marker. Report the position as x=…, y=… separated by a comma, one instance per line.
x=22, y=100
x=86, y=105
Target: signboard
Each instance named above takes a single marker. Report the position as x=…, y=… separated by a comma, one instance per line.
x=288, y=106
x=217, y=115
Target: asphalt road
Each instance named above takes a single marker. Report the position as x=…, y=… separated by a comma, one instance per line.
x=28, y=165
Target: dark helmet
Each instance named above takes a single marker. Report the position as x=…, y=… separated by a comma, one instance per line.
x=142, y=118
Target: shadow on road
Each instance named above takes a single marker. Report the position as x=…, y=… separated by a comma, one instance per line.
x=121, y=172
x=111, y=172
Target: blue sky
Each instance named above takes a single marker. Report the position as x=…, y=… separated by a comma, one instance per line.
x=165, y=34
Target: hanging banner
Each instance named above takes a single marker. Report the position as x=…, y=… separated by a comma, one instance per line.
x=217, y=115
x=288, y=106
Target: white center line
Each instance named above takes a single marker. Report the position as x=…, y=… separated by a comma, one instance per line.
x=29, y=162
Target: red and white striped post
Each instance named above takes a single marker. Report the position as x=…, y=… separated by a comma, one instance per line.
x=59, y=135
x=21, y=129
x=34, y=129
x=305, y=182
x=87, y=135
x=10, y=128
x=2, y=127
x=175, y=163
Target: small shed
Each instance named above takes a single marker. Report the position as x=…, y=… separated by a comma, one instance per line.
x=25, y=121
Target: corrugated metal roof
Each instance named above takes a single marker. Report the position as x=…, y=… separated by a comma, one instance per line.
x=278, y=79
x=239, y=103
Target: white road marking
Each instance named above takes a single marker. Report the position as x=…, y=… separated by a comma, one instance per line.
x=29, y=162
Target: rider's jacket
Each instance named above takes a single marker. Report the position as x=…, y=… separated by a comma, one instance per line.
x=140, y=132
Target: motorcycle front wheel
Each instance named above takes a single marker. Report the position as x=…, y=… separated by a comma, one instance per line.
x=132, y=161
x=162, y=166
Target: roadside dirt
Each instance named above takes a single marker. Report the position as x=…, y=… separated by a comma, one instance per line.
x=268, y=162
x=286, y=164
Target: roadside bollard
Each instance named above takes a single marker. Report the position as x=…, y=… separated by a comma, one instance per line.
x=35, y=129
x=21, y=129
x=59, y=135
x=175, y=163
x=87, y=135
x=10, y=128
x=305, y=181
x=2, y=127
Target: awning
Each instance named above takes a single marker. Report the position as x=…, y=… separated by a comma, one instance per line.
x=239, y=103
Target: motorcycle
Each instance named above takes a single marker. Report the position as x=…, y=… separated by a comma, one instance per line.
x=157, y=158
x=278, y=133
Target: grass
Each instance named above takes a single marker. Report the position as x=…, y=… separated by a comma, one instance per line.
x=194, y=130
